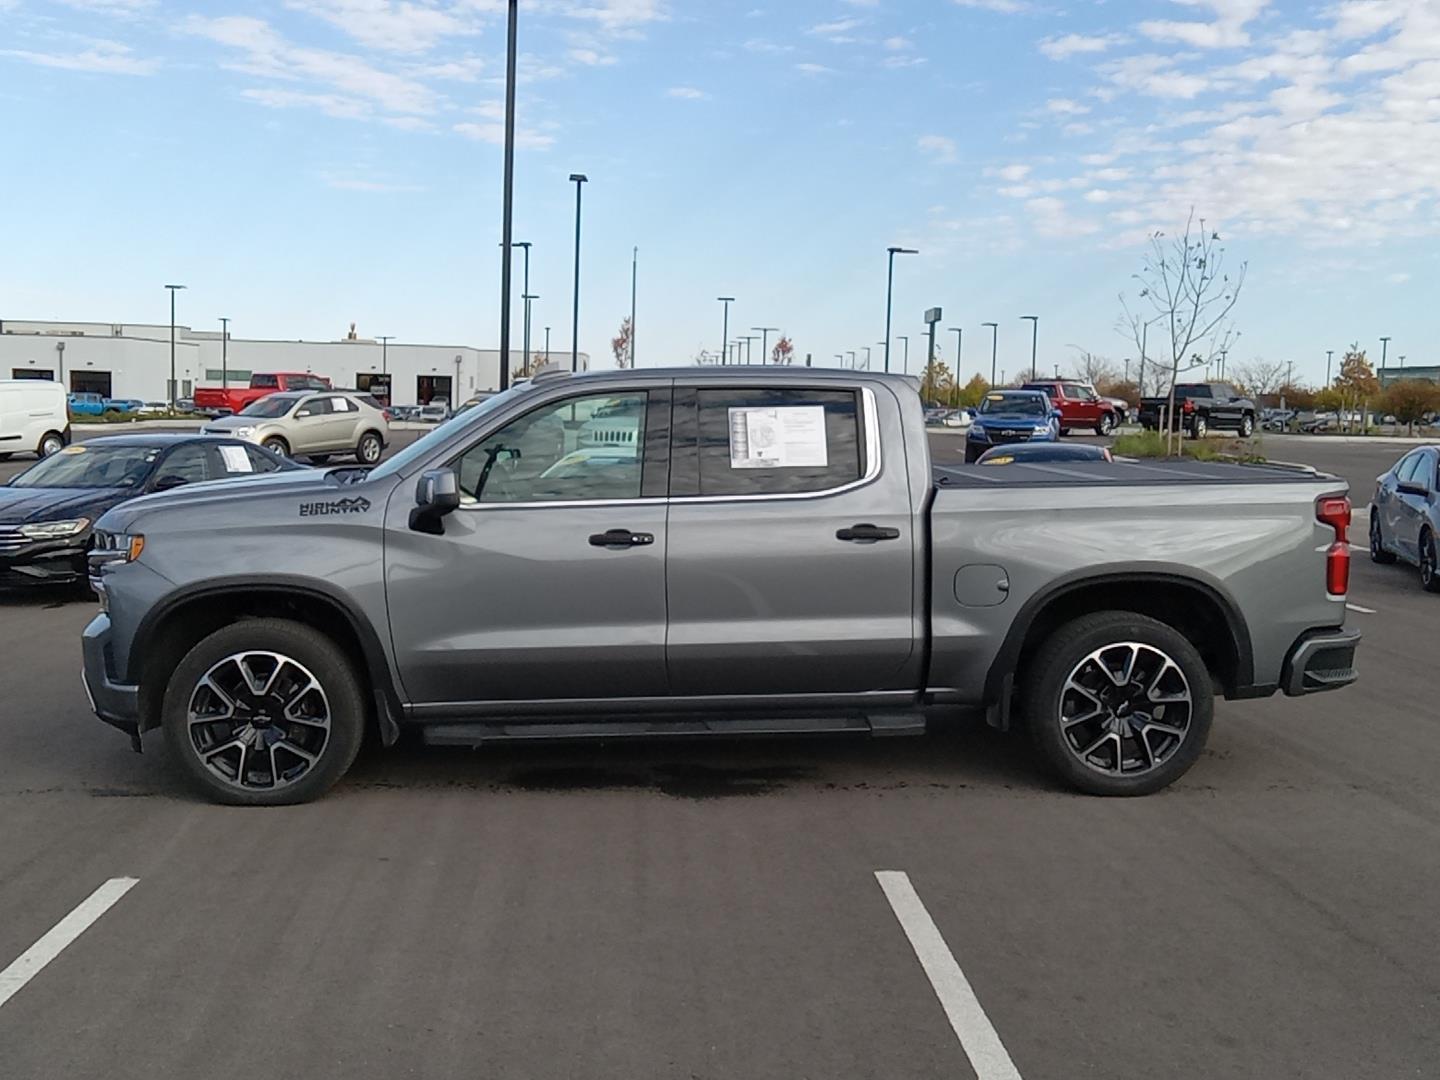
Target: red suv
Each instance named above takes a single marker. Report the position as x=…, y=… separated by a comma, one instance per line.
x=1080, y=406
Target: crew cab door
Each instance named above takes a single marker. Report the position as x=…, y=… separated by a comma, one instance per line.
x=1082, y=408
x=549, y=580
x=791, y=556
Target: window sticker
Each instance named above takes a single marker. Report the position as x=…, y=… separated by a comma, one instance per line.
x=786, y=437
x=236, y=459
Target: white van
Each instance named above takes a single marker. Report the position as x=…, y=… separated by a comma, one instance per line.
x=34, y=417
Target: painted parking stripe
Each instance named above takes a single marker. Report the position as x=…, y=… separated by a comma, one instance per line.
x=33, y=960
x=978, y=1038
x=1361, y=610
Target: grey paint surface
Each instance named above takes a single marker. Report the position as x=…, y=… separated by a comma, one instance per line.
x=513, y=605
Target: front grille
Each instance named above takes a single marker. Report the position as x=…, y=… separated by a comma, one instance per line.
x=11, y=541
x=1008, y=435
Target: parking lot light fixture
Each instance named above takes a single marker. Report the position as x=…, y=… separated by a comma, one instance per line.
x=507, y=200
x=1034, y=321
x=905, y=356
x=173, y=395
x=994, y=345
x=959, y=345
x=765, y=332
x=224, y=352
x=725, y=325
x=890, y=293
x=579, y=180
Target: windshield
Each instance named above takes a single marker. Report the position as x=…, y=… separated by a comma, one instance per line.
x=1015, y=405
x=269, y=408
x=83, y=466
x=421, y=447
x=1182, y=392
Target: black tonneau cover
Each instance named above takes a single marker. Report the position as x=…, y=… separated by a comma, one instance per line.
x=1120, y=474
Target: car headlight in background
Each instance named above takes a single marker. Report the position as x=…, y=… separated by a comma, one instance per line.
x=1041, y=433
x=54, y=530
x=977, y=428
x=243, y=432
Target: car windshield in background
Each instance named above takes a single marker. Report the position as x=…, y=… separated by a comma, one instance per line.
x=1015, y=405
x=1183, y=392
x=421, y=447
x=83, y=466
x=269, y=408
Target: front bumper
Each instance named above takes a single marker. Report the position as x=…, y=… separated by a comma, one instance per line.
x=46, y=562
x=1003, y=436
x=1320, y=660
x=115, y=703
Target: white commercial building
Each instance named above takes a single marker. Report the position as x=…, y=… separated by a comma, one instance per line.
x=132, y=360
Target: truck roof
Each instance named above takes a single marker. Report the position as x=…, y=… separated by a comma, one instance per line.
x=727, y=373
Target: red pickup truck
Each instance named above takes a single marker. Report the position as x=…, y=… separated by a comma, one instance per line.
x=210, y=399
x=1080, y=406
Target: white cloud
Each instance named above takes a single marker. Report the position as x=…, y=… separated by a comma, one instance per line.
x=336, y=105
x=940, y=148
x=1398, y=279
x=391, y=26
x=686, y=93
x=590, y=57
x=1227, y=31
x=119, y=8
x=761, y=45
x=616, y=16
x=836, y=29
x=493, y=132
x=1013, y=172
x=1068, y=45
x=897, y=61
x=1003, y=7
x=897, y=44
x=1066, y=107
x=814, y=69
x=1155, y=76
x=101, y=57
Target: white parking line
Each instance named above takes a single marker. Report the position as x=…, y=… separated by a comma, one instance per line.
x=1361, y=610
x=33, y=960
x=978, y=1038
x=1360, y=547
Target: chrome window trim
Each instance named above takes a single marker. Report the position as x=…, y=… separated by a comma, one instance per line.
x=870, y=419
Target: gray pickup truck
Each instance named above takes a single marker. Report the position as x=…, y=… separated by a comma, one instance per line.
x=709, y=551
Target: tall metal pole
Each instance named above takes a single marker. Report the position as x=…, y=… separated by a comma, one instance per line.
x=765, y=332
x=547, y=344
x=725, y=327
x=385, y=340
x=994, y=346
x=747, y=339
x=634, y=281
x=224, y=352
x=1034, y=339
x=851, y=353
x=1384, y=351
x=525, y=299
x=890, y=293
x=174, y=388
x=959, y=343
x=1329, y=359
x=905, y=357
x=867, y=356
x=507, y=209
x=578, y=179
x=840, y=359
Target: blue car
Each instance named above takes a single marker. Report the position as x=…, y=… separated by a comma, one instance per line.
x=89, y=404
x=1011, y=416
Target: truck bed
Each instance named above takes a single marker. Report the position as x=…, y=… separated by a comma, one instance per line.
x=1121, y=474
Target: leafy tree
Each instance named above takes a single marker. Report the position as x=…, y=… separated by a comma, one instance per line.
x=972, y=393
x=1410, y=400
x=1356, y=382
x=1259, y=377
x=620, y=344
x=1297, y=397
x=937, y=382
x=1119, y=388
x=1187, y=294
x=783, y=351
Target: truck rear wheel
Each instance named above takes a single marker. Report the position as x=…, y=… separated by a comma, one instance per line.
x=1118, y=703
x=264, y=712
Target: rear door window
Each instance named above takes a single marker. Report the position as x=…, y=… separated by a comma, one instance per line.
x=1408, y=467
x=779, y=441
x=189, y=463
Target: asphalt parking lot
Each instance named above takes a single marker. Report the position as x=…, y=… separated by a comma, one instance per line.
x=683, y=910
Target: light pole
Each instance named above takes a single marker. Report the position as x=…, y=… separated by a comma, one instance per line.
x=634, y=282
x=507, y=209
x=890, y=293
x=994, y=344
x=1384, y=351
x=765, y=332
x=850, y=353
x=60, y=355
x=1127, y=371
x=384, y=340
x=579, y=180
x=525, y=298
x=173, y=290
x=959, y=342
x=867, y=356
x=224, y=352
x=1223, y=354
x=524, y=288
x=725, y=325
x=1402, y=363
x=1034, y=339
x=1329, y=359
x=905, y=356
x=547, y=345
x=747, y=339
x=840, y=359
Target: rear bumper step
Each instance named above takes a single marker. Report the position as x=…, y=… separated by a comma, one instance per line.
x=1321, y=660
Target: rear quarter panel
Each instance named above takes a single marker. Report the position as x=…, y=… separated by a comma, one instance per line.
x=1257, y=545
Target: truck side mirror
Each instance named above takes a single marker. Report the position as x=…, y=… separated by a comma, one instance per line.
x=436, y=494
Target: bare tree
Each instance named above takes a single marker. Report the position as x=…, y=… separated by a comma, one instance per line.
x=1093, y=368
x=1187, y=296
x=1259, y=376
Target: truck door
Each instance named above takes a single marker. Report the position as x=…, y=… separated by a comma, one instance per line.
x=792, y=565
x=1081, y=408
x=549, y=580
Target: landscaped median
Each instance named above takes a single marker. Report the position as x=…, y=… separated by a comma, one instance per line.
x=1151, y=444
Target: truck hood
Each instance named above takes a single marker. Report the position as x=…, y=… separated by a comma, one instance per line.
x=1011, y=420
x=235, y=499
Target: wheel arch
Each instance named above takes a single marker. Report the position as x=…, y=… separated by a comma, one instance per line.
x=175, y=624
x=1195, y=604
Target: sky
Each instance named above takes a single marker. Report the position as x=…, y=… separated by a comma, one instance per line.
x=302, y=164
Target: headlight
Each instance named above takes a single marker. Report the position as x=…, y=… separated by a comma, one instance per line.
x=115, y=548
x=1041, y=433
x=54, y=530
x=977, y=428
x=243, y=432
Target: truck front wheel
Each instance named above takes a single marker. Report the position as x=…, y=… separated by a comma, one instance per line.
x=1118, y=703
x=264, y=712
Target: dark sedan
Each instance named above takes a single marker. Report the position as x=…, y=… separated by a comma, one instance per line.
x=46, y=511
x=1405, y=514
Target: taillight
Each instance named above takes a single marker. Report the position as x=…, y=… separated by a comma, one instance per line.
x=1334, y=510
x=1187, y=406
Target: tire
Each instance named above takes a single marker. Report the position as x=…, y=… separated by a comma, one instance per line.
x=243, y=762
x=1429, y=563
x=4, y=457
x=1378, y=554
x=1064, y=431
x=276, y=445
x=52, y=442
x=972, y=455
x=1106, y=424
x=1156, y=662
x=1198, y=428
x=370, y=448
x=1247, y=426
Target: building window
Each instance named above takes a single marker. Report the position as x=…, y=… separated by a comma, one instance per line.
x=33, y=373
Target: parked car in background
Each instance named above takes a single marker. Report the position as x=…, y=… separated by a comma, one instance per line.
x=1405, y=515
x=934, y=414
x=214, y=401
x=34, y=417
x=153, y=408
x=1037, y=453
x=1011, y=416
x=957, y=418
x=301, y=423
x=1078, y=404
x=1201, y=407
x=87, y=404
x=620, y=552
x=1122, y=408
x=436, y=412
x=47, y=511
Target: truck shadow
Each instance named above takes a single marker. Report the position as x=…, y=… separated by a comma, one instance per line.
x=45, y=596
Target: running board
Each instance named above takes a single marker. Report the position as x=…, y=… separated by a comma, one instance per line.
x=477, y=732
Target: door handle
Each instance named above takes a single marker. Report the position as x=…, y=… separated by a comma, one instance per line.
x=867, y=534
x=621, y=538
